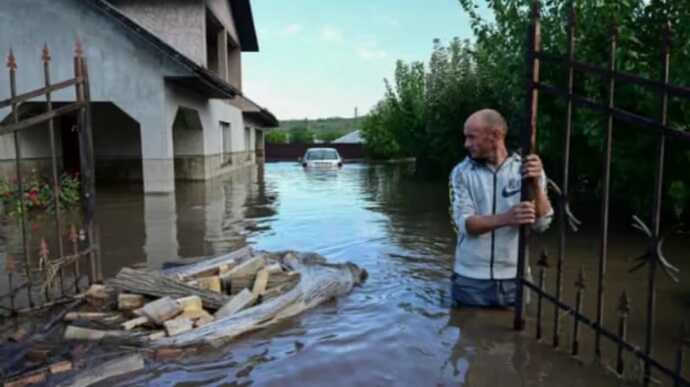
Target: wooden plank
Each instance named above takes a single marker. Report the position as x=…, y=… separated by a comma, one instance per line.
x=78, y=333
x=195, y=269
x=154, y=284
x=60, y=367
x=39, y=92
x=89, y=316
x=248, y=267
x=133, y=323
x=35, y=120
x=236, y=304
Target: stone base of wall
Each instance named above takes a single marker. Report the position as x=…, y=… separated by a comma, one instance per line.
x=196, y=168
x=119, y=169
x=8, y=168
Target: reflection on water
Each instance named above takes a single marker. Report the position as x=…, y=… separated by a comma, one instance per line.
x=398, y=328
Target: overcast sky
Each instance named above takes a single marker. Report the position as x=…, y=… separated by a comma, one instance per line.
x=321, y=58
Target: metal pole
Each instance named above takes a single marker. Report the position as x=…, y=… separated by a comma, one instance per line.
x=56, y=182
x=656, y=213
x=528, y=142
x=623, y=311
x=543, y=263
x=580, y=285
x=562, y=224
x=12, y=65
x=606, y=166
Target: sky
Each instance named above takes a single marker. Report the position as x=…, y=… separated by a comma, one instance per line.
x=323, y=58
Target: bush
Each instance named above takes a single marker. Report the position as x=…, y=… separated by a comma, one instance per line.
x=38, y=193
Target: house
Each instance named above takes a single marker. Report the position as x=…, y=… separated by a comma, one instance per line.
x=354, y=137
x=166, y=86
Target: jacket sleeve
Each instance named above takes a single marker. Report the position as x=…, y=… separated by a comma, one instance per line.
x=461, y=204
x=543, y=223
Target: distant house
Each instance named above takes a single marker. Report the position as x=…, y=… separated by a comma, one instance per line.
x=166, y=86
x=350, y=138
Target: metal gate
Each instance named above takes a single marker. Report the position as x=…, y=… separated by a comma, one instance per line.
x=46, y=277
x=653, y=258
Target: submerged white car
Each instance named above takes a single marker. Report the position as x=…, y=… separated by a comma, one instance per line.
x=322, y=158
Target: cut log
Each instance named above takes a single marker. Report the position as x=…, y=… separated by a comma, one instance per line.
x=274, y=268
x=97, y=291
x=130, y=301
x=116, y=367
x=157, y=335
x=131, y=324
x=91, y=316
x=178, y=325
x=248, y=267
x=78, y=333
x=210, y=266
x=162, y=310
x=157, y=285
x=203, y=320
x=60, y=367
x=260, y=283
x=209, y=283
x=238, y=302
x=190, y=304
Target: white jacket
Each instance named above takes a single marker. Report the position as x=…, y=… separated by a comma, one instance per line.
x=480, y=189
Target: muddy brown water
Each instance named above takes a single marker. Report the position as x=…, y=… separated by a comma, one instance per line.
x=398, y=329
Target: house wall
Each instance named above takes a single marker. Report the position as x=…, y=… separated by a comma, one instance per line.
x=180, y=23
x=123, y=68
x=211, y=160
x=222, y=11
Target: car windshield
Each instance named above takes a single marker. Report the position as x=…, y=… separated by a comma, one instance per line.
x=322, y=154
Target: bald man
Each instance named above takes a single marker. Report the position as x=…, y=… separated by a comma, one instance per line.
x=487, y=212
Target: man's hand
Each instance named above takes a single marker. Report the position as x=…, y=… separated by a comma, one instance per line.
x=532, y=167
x=521, y=213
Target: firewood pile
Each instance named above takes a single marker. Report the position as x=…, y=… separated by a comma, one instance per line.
x=166, y=307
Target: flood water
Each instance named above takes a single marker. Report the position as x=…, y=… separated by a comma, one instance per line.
x=398, y=328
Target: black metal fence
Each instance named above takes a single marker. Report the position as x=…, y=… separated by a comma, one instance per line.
x=42, y=276
x=653, y=258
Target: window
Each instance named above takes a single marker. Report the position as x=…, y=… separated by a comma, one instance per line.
x=226, y=142
x=247, y=141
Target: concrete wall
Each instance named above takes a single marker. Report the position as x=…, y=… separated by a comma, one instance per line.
x=211, y=160
x=221, y=10
x=180, y=23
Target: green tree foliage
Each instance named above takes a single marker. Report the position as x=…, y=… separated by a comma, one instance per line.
x=301, y=136
x=423, y=110
x=277, y=137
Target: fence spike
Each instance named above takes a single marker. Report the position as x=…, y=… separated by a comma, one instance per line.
x=78, y=49
x=543, y=259
x=11, y=61
x=10, y=265
x=624, y=304
x=580, y=282
x=46, y=53
x=72, y=236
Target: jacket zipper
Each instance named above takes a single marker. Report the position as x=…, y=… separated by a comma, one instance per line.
x=493, y=232
x=493, y=212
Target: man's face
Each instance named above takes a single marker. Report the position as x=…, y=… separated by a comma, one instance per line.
x=480, y=141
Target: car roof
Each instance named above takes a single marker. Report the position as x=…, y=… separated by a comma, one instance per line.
x=310, y=149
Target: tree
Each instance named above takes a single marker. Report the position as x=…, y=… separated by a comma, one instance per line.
x=276, y=137
x=301, y=136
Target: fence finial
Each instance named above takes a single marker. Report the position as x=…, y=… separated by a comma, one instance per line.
x=46, y=53
x=11, y=61
x=78, y=49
